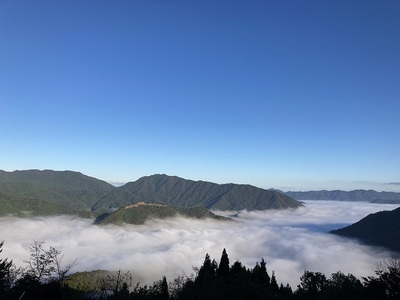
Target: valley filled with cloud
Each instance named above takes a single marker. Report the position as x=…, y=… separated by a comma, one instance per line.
x=291, y=241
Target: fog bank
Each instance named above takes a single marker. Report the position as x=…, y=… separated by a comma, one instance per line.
x=290, y=241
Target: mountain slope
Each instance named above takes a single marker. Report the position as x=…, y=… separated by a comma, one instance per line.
x=58, y=191
x=23, y=206
x=66, y=192
x=178, y=192
x=356, y=195
x=140, y=212
x=380, y=229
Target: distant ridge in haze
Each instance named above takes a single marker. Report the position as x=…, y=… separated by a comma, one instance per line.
x=379, y=229
x=50, y=192
x=356, y=195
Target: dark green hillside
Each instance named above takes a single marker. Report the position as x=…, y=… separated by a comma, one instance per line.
x=139, y=213
x=199, y=213
x=380, y=229
x=25, y=206
x=57, y=180
x=58, y=192
x=178, y=192
x=87, y=281
x=49, y=192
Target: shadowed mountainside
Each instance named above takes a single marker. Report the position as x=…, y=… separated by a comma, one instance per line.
x=379, y=229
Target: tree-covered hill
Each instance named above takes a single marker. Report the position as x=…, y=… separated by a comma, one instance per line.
x=139, y=213
x=379, y=229
x=49, y=192
x=178, y=192
x=66, y=192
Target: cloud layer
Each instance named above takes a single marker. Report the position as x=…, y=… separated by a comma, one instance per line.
x=290, y=241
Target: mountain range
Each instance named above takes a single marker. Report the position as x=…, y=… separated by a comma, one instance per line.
x=379, y=229
x=356, y=195
x=51, y=192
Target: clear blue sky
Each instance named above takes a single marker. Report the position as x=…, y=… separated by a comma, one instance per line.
x=294, y=95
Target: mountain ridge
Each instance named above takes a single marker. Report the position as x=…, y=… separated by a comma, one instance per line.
x=178, y=192
x=339, y=195
x=379, y=229
x=46, y=192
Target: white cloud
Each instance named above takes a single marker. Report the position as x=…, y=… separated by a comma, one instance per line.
x=291, y=241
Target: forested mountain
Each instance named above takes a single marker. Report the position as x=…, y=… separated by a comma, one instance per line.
x=379, y=229
x=139, y=213
x=179, y=192
x=49, y=192
x=356, y=195
x=66, y=192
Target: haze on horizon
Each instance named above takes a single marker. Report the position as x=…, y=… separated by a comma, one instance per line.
x=294, y=95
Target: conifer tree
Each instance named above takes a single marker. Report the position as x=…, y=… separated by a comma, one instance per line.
x=223, y=269
x=274, y=284
x=207, y=270
x=164, y=295
x=237, y=268
x=263, y=271
x=5, y=266
x=260, y=274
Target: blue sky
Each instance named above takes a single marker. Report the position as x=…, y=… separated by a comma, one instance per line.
x=294, y=95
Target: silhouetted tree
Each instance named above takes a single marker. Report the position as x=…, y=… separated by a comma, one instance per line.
x=264, y=273
x=260, y=274
x=343, y=287
x=40, y=264
x=207, y=270
x=5, y=266
x=223, y=268
x=123, y=293
x=274, y=284
x=285, y=292
x=237, y=268
x=43, y=278
x=111, y=285
x=27, y=287
x=164, y=294
x=180, y=285
x=311, y=285
x=46, y=265
x=387, y=284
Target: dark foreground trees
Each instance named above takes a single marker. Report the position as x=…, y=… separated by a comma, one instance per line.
x=386, y=284
x=222, y=281
x=5, y=266
x=45, y=278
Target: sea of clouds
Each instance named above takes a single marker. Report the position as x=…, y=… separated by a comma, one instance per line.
x=291, y=241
